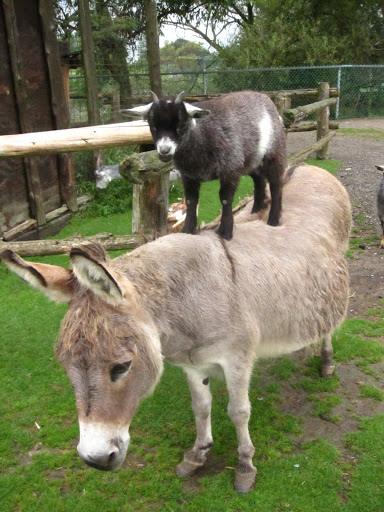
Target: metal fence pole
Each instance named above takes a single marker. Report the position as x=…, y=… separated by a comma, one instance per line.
x=338, y=86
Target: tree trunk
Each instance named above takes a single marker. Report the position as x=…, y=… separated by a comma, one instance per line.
x=153, y=49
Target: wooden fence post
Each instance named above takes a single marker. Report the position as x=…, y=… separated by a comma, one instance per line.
x=88, y=51
x=282, y=103
x=323, y=120
x=150, y=192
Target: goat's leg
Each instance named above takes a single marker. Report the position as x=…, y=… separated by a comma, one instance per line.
x=327, y=365
x=227, y=193
x=382, y=238
x=237, y=376
x=259, y=195
x=201, y=405
x=273, y=170
x=191, y=192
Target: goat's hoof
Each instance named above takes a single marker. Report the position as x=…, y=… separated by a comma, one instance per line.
x=224, y=234
x=187, y=468
x=244, y=482
x=327, y=371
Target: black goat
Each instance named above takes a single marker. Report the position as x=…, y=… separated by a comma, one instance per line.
x=223, y=138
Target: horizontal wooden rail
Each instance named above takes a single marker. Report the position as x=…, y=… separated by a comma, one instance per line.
x=297, y=114
x=75, y=139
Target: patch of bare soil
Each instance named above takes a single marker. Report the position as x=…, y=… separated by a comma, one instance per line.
x=358, y=174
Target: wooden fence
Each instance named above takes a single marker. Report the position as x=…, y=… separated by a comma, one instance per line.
x=150, y=176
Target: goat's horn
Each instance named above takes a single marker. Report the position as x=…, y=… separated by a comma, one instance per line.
x=155, y=99
x=179, y=97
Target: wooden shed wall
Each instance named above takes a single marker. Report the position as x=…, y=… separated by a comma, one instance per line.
x=32, y=99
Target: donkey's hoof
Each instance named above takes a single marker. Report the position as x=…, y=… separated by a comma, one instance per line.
x=187, y=468
x=244, y=482
x=327, y=371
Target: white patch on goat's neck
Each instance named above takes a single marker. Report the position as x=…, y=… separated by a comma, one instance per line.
x=166, y=146
x=266, y=134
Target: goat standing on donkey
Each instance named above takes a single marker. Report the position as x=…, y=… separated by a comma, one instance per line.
x=223, y=138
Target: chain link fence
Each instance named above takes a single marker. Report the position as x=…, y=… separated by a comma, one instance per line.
x=361, y=87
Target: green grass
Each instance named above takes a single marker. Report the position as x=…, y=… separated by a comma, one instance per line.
x=363, y=132
x=367, y=391
x=40, y=470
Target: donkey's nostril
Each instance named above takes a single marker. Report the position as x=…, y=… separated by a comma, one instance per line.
x=112, y=457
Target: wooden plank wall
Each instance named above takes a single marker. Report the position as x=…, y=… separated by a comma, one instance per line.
x=33, y=74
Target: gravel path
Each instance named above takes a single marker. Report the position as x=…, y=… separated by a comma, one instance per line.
x=358, y=156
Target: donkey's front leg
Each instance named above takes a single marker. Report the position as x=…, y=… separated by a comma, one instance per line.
x=201, y=405
x=327, y=365
x=237, y=376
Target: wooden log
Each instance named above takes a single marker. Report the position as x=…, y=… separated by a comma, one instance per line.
x=308, y=126
x=305, y=153
x=293, y=94
x=19, y=229
x=282, y=103
x=52, y=247
x=323, y=121
x=75, y=139
x=150, y=191
x=299, y=113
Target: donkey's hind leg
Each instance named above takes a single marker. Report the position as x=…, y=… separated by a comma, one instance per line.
x=327, y=365
x=201, y=405
x=237, y=375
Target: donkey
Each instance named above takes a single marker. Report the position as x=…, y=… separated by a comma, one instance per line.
x=222, y=138
x=209, y=306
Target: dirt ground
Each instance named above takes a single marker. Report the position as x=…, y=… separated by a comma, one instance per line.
x=360, y=177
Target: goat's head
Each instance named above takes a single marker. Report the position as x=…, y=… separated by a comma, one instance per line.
x=169, y=120
x=108, y=345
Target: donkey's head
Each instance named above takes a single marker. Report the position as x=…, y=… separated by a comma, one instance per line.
x=169, y=120
x=108, y=345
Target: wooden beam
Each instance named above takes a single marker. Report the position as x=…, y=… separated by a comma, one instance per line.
x=323, y=121
x=75, y=139
x=308, y=126
x=299, y=113
x=51, y=247
x=305, y=153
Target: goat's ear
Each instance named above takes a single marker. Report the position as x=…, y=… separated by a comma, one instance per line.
x=137, y=111
x=91, y=271
x=194, y=111
x=380, y=167
x=53, y=281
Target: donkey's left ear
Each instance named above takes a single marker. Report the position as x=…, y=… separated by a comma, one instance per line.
x=90, y=268
x=52, y=280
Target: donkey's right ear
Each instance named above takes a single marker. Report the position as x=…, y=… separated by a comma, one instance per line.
x=140, y=112
x=52, y=280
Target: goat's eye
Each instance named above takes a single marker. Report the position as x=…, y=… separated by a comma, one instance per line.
x=119, y=370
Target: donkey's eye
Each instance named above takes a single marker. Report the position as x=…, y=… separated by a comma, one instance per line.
x=119, y=370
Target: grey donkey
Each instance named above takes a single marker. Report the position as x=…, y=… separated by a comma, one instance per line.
x=209, y=306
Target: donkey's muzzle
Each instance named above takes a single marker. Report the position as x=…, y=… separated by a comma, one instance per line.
x=102, y=446
x=104, y=462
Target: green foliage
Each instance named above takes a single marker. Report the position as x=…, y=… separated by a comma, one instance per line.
x=283, y=368
x=367, y=391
